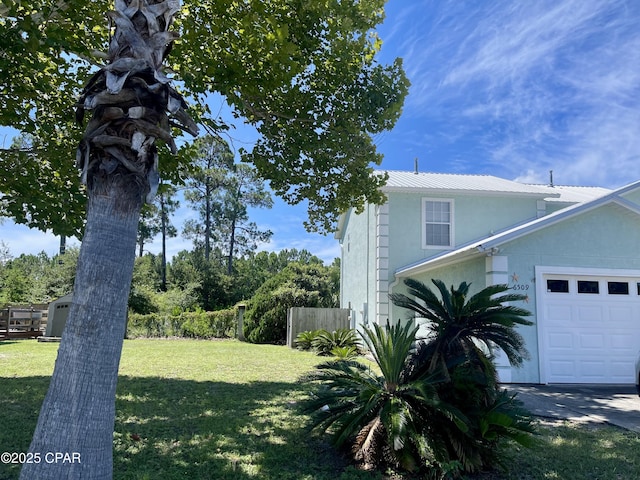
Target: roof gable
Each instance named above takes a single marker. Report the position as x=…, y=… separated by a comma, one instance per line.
x=491, y=243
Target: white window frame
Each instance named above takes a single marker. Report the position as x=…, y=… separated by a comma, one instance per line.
x=451, y=223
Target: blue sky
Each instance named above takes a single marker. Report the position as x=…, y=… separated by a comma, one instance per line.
x=511, y=88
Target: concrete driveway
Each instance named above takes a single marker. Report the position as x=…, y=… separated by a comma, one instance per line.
x=614, y=404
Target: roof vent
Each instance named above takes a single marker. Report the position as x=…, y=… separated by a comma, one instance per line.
x=551, y=178
x=415, y=165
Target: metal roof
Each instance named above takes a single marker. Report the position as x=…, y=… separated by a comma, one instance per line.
x=400, y=181
x=574, y=194
x=452, y=183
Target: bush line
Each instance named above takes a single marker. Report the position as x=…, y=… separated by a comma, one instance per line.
x=201, y=324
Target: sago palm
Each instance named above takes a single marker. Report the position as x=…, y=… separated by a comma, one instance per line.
x=380, y=415
x=458, y=326
x=462, y=332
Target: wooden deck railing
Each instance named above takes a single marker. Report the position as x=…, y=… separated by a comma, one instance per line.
x=23, y=321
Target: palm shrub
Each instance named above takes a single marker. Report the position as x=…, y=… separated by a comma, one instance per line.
x=324, y=341
x=381, y=416
x=304, y=340
x=462, y=332
x=344, y=353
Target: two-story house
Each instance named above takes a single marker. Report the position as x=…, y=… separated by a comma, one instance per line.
x=573, y=251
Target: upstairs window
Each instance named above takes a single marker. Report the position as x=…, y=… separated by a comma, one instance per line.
x=437, y=223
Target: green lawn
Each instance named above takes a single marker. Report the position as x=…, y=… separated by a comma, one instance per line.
x=227, y=410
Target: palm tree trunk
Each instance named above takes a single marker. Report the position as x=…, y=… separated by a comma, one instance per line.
x=77, y=416
x=130, y=98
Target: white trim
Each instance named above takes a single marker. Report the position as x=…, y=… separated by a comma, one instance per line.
x=496, y=273
x=382, y=264
x=423, y=224
x=584, y=271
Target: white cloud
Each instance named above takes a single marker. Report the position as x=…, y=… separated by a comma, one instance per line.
x=521, y=88
x=21, y=239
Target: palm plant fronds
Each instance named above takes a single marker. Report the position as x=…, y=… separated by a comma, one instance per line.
x=462, y=331
x=380, y=415
x=457, y=323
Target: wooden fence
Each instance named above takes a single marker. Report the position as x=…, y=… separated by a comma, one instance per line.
x=300, y=319
x=23, y=321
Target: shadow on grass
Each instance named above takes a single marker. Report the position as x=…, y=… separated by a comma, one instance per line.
x=171, y=428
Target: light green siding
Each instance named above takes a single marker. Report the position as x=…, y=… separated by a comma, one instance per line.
x=383, y=240
x=633, y=196
x=471, y=272
x=358, y=265
x=605, y=238
x=473, y=218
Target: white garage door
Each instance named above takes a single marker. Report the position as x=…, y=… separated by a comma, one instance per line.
x=589, y=328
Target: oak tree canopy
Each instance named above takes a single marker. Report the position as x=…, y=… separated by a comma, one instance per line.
x=303, y=73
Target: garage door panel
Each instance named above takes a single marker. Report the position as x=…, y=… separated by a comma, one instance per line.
x=589, y=313
x=624, y=342
x=589, y=338
x=563, y=340
x=593, y=372
x=590, y=341
x=622, y=312
x=562, y=369
x=558, y=314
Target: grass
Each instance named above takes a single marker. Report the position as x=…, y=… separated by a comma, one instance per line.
x=228, y=410
x=570, y=451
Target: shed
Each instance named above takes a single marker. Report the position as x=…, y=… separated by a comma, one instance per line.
x=58, y=314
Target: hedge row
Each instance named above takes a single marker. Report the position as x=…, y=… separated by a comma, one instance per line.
x=218, y=324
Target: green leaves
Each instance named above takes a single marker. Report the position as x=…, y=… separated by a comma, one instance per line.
x=459, y=327
x=381, y=415
x=457, y=321
x=303, y=74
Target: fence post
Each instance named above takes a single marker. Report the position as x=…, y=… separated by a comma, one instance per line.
x=241, y=309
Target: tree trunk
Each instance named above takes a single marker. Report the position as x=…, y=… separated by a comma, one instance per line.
x=207, y=221
x=163, y=224
x=130, y=98
x=78, y=413
x=232, y=244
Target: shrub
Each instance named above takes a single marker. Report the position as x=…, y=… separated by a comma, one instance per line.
x=436, y=403
x=345, y=353
x=325, y=341
x=200, y=324
x=296, y=286
x=459, y=326
x=141, y=300
x=304, y=340
x=149, y=325
x=378, y=416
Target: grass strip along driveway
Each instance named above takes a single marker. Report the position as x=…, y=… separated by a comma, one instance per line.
x=228, y=410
